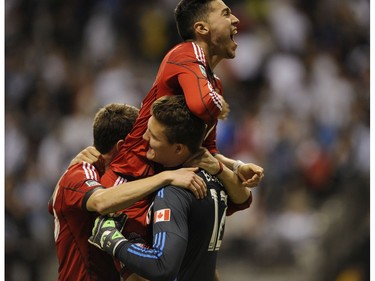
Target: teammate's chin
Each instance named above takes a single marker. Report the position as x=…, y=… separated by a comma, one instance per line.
x=231, y=51
x=234, y=48
x=232, y=55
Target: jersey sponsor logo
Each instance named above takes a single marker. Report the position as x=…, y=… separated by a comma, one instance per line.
x=91, y=183
x=203, y=70
x=162, y=215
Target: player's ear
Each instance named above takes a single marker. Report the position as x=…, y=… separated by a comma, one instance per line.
x=201, y=28
x=180, y=148
x=119, y=144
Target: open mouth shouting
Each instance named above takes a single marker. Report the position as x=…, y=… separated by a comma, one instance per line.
x=234, y=32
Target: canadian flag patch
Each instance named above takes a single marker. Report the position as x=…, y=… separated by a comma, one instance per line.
x=162, y=215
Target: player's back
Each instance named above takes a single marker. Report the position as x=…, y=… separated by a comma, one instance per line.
x=206, y=222
x=78, y=260
x=187, y=234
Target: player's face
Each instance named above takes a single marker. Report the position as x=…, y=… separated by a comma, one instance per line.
x=160, y=150
x=222, y=26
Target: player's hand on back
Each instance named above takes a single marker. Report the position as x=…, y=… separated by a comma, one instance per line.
x=90, y=155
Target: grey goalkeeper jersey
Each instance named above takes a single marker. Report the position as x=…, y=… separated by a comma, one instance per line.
x=187, y=234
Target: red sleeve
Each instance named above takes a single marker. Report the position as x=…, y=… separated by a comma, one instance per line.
x=232, y=208
x=200, y=95
x=210, y=141
x=78, y=182
x=201, y=88
x=202, y=100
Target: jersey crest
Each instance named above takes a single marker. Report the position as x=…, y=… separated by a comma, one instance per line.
x=91, y=183
x=203, y=70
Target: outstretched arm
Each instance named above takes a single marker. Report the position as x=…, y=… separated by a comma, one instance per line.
x=120, y=197
x=108, y=200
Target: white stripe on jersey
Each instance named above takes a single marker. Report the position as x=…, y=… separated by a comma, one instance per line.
x=215, y=96
x=56, y=230
x=89, y=171
x=119, y=180
x=199, y=54
x=201, y=57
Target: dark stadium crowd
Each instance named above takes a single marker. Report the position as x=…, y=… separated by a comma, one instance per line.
x=299, y=94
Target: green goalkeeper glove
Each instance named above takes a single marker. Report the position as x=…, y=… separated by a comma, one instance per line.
x=106, y=235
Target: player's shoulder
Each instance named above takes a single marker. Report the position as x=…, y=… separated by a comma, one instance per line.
x=170, y=191
x=80, y=173
x=187, y=51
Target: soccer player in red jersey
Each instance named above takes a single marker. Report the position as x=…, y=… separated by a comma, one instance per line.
x=79, y=197
x=207, y=28
x=187, y=233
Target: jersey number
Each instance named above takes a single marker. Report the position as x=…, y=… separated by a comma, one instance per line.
x=218, y=229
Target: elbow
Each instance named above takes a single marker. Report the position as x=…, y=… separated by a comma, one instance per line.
x=234, y=207
x=102, y=210
x=209, y=113
x=245, y=199
x=165, y=275
x=164, y=272
x=97, y=204
x=169, y=275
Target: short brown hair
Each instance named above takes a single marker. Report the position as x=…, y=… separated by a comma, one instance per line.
x=112, y=123
x=187, y=13
x=182, y=126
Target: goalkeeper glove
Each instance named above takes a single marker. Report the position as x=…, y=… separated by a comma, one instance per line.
x=106, y=235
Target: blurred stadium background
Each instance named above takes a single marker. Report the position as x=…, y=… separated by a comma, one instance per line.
x=299, y=91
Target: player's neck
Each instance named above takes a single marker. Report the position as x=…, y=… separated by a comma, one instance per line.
x=212, y=60
x=108, y=157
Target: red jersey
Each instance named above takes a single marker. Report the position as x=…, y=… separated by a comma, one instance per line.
x=78, y=260
x=183, y=71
